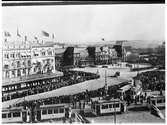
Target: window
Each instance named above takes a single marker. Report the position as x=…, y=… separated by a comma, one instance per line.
x=110, y=106
x=9, y=115
x=104, y=106
x=3, y=115
x=24, y=71
x=116, y=105
x=16, y=114
x=55, y=111
x=6, y=66
x=13, y=64
x=7, y=74
x=18, y=73
x=18, y=63
x=13, y=73
x=159, y=100
x=49, y=52
x=7, y=56
x=29, y=63
x=49, y=111
x=44, y=112
x=61, y=110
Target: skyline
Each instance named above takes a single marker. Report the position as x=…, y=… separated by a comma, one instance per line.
x=87, y=23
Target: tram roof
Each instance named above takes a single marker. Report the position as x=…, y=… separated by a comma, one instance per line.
x=125, y=88
x=53, y=105
x=109, y=101
x=30, y=78
x=12, y=109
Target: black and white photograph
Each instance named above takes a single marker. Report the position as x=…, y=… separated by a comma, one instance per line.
x=83, y=63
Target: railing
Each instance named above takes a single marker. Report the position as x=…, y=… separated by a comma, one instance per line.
x=80, y=119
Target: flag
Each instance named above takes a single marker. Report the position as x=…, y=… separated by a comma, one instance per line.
x=18, y=33
x=7, y=34
x=53, y=36
x=45, y=34
x=25, y=38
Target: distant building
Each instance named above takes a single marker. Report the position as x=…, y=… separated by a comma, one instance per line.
x=43, y=59
x=81, y=56
x=105, y=55
x=59, y=52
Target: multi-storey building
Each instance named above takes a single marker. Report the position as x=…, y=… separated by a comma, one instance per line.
x=59, y=52
x=43, y=59
x=16, y=61
x=105, y=55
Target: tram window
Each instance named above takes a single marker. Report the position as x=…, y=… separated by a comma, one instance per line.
x=9, y=115
x=44, y=112
x=104, y=106
x=50, y=111
x=16, y=114
x=61, y=110
x=116, y=105
x=159, y=100
x=110, y=105
x=3, y=115
x=55, y=111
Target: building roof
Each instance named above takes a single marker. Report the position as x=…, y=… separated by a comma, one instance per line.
x=98, y=49
x=83, y=51
x=47, y=44
x=59, y=50
x=29, y=78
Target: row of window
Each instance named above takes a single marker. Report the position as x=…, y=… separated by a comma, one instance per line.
x=12, y=55
x=9, y=115
x=106, y=106
x=18, y=73
x=18, y=64
x=52, y=111
x=43, y=53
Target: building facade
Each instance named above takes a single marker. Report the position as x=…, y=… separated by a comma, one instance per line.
x=43, y=59
x=16, y=61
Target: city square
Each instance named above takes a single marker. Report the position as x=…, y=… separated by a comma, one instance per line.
x=69, y=68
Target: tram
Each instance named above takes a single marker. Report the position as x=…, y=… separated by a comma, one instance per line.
x=158, y=101
x=14, y=115
x=44, y=112
x=102, y=107
x=56, y=111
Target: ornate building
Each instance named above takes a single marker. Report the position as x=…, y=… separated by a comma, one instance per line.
x=16, y=61
x=43, y=59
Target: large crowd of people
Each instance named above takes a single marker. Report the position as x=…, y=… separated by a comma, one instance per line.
x=69, y=78
x=152, y=80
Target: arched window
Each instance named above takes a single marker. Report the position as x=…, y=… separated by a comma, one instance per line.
x=43, y=53
x=18, y=72
x=29, y=62
x=49, y=52
x=18, y=64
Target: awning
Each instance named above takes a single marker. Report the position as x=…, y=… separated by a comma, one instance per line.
x=125, y=88
x=23, y=54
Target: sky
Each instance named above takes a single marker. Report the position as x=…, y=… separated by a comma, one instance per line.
x=86, y=23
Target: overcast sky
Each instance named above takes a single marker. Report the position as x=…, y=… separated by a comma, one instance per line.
x=76, y=23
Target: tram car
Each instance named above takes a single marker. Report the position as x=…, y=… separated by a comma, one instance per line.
x=156, y=100
x=102, y=107
x=14, y=115
x=56, y=111
x=44, y=112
